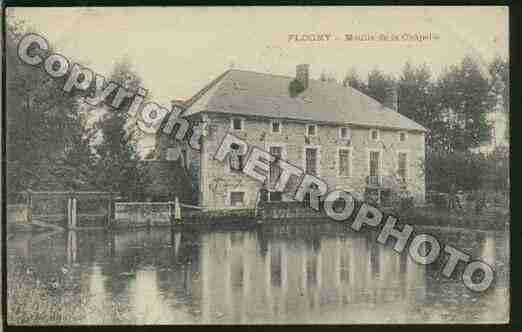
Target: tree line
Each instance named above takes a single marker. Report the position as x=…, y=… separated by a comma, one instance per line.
x=454, y=107
x=54, y=141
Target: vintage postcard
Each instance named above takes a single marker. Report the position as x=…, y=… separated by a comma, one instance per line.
x=257, y=165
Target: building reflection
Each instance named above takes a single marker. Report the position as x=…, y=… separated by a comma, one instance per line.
x=253, y=276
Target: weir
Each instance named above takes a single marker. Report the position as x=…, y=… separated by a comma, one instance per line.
x=71, y=214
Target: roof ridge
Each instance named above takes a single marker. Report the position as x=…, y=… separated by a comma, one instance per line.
x=274, y=75
x=361, y=107
x=204, y=90
x=261, y=73
x=337, y=84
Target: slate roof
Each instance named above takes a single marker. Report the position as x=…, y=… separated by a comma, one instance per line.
x=250, y=93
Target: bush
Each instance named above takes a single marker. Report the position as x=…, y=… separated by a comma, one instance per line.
x=295, y=87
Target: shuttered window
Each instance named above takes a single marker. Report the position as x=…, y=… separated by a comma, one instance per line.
x=276, y=126
x=237, y=124
x=344, y=162
x=403, y=157
x=311, y=161
x=374, y=163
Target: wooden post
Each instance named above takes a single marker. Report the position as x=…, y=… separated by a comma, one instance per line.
x=203, y=198
x=29, y=207
x=72, y=247
x=170, y=214
x=73, y=213
x=69, y=215
x=109, y=212
x=177, y=210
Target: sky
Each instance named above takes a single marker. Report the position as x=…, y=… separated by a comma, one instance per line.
x=178, y=50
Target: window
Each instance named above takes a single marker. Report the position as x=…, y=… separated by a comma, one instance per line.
x=374, y=135
x=311, y=161
x=402, y=136
x=308, y=196
x=311, y=130
x=237, y=198
x=237, y=124
x=344, y=133
x=235, y=159
x=275, y=171
x=344, y=162
x=374, y=163
x=403, y=165
x=276, y=196
x=276, y=127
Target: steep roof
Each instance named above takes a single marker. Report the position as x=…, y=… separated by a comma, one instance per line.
x=249, y=93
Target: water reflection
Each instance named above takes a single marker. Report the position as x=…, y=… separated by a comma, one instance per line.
x=276, y=274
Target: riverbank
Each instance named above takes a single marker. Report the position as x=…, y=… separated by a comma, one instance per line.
x=279, y=214
x=491, y=219
x=427, y=216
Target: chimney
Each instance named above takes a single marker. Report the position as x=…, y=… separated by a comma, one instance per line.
x=391, y=99
x=301, y=74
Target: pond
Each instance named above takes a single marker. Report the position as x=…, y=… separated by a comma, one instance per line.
x=317, y=273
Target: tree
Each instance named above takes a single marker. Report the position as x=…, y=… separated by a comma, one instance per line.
x=499, y=88
x=76, y=166
x=41, y=120
x=462, y=94
x=118, y=165
x=327, y=78
x=499, y=70
x=378, y=84
x=415, y=91
x=353, y=80
x=457, y=170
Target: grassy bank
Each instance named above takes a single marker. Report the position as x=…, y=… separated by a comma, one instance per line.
x=31, y=301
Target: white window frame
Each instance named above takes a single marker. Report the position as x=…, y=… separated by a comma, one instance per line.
x=350, y=158
x=275, y=145
x=407, y=162
x=380, y=160
x=232, y=123
x=245, y=198
x=405, y=136
x=378, y=134
x=316, y=129
x=312, y=146
x=349, y=137
x=280, y=127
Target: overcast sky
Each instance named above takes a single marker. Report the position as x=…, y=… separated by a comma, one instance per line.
x=178, y=50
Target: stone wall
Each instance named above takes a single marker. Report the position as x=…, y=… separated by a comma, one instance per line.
x=142, y=214
x=217, y=181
